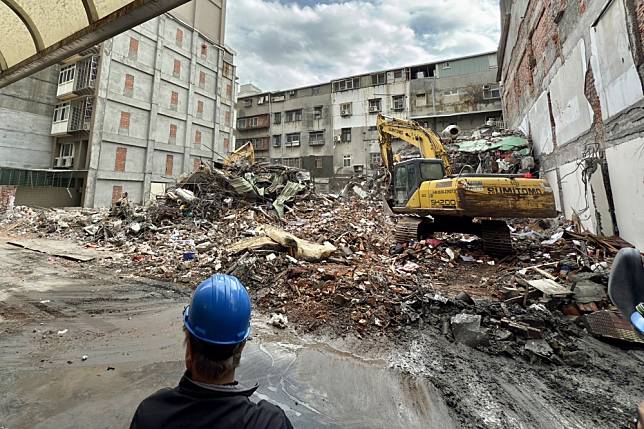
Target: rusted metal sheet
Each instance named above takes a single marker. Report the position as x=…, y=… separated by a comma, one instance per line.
x=610, y=325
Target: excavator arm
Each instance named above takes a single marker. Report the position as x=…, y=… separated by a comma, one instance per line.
x=244, y=153
x=425, y=140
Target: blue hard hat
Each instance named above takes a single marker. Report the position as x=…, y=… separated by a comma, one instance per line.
x=220, y=311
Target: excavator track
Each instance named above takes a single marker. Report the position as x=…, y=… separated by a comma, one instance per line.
x=496, y=237
x=407, y=229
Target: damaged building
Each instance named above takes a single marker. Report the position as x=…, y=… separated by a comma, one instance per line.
x=127, y=116
x=330, y=128
x=571, y=75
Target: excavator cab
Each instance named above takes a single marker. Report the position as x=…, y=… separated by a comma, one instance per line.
x=408, y=175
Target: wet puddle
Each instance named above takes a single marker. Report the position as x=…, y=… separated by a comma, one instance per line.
x=319, y=386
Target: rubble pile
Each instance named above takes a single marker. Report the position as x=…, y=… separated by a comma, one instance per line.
x=328, y=262
x=493, y=151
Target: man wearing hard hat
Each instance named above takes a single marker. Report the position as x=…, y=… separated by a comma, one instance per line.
x=216, y=325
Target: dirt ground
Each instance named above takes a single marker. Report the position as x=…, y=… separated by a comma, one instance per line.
x=54, y=311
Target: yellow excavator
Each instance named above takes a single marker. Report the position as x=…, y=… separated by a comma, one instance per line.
x=245, y=154
x=428, y=197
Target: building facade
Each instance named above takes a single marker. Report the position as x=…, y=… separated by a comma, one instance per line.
x=572, y=75
x=330, y=128
x=136, y=112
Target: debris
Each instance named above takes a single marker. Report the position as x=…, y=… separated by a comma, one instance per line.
x=62, y=332
x=610, y=325
x=586, y=291
x=549, y=287
x=278, y=320
x=84, y=358
x=539, y=348
x=467, y=329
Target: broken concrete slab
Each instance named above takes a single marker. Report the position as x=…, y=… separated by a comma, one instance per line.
x=586, y=291
x=299, y=248
x=549, y=287
x=61, y=248
x=467, y=329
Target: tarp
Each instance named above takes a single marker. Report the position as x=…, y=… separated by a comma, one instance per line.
x=503, y=144
x=38, y=33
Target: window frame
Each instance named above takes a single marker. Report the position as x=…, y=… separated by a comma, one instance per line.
x=292, y=142
x=64, y=108
x=344, y=133
x=67, y=74
x=345, y=158
x=394, y=99
x=319, y=138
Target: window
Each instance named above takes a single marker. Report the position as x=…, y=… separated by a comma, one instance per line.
x=202, y=79
x=375, y=159
x=292, y=93
x=226, y=144
x=277, y=118
x=315, y=90
x=260, y=144
x=318, y=162
x=378, y=79
x=317, y=112
x=345, y=135
x=399, y=102
x=293, y=115
x=248, y=102
x=292, y=140
x=241, y=123
x=491, y=92
x=252, y=122
x=346, y=84
x=172, y=137
x=179, y=37
x=316, y=138
x=133, y=51
x=117, y=192
x=61, y=112
x=431, y=171
x=229, y=90
x=120, y=158
x=199, y=109
x=204, y=51
x=227, y=118
x=421, y=100
x=169, y=161
x=345, y=109
x=176, y=68
x=346, y=161
x=446, y=65
x=292, y=162
x=277, y=140
x=124, y=122
x=397, y=74
x=197, y=137
x=375, y=105
x=128, y=88
x=228, y=70
x=66, y=150
x=66, y=74
x=174, y=100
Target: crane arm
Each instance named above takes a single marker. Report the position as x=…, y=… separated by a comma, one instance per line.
x=410, y=132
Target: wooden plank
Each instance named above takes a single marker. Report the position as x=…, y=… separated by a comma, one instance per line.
x=549, y=287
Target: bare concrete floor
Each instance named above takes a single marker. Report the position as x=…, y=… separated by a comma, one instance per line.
x=130, y=331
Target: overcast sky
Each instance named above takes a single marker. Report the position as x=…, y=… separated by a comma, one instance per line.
x=290, y=43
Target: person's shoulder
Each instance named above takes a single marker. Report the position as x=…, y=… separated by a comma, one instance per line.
x=154, y=401
x=270, y=416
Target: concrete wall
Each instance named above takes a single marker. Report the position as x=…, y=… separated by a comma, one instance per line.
x=26, y=109
x=167, y=62
x=572, y=78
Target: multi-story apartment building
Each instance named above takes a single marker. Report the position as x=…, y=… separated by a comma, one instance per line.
x=330, y=128
x=135, y=112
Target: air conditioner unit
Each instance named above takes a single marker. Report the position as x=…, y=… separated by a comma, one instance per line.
x=345, y=112
x=358, y=168
x=486, y=87
x=337, y=139
x=374, y=109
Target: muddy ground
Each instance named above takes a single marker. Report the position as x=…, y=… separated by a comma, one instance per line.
x=129, y=329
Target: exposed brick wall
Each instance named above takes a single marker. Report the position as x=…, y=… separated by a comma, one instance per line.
x=169, y=161
x=202, y=79
x=640, y=17
x=174, y=100
x=197, y=137
x=179, y=37
x=172, y=138
x=593, y=99
x=117, y=192
x=196, y=164
x=176, y=68
x=128, y=88
x=204, y=51
x=227, y=118
x=7, y=198
x=229, y=90
x=120, y=158
x=199, y=108
x=124, y=122
x=134, y=48
x=226, y=144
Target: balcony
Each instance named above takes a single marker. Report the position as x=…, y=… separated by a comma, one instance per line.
x=77, y=79
x=64, y=162
x=72, y=116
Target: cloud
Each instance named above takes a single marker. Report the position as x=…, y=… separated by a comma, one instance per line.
x=286, y=44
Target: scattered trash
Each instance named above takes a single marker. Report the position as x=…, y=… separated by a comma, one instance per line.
x=278, y=320
x=84, y=358
x=63, y=332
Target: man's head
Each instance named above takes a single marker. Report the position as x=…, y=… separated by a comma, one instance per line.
x=216, y=325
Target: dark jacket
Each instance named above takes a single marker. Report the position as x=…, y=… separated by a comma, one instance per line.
x=197, y=405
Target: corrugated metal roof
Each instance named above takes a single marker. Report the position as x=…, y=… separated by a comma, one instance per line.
x=39, y=33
